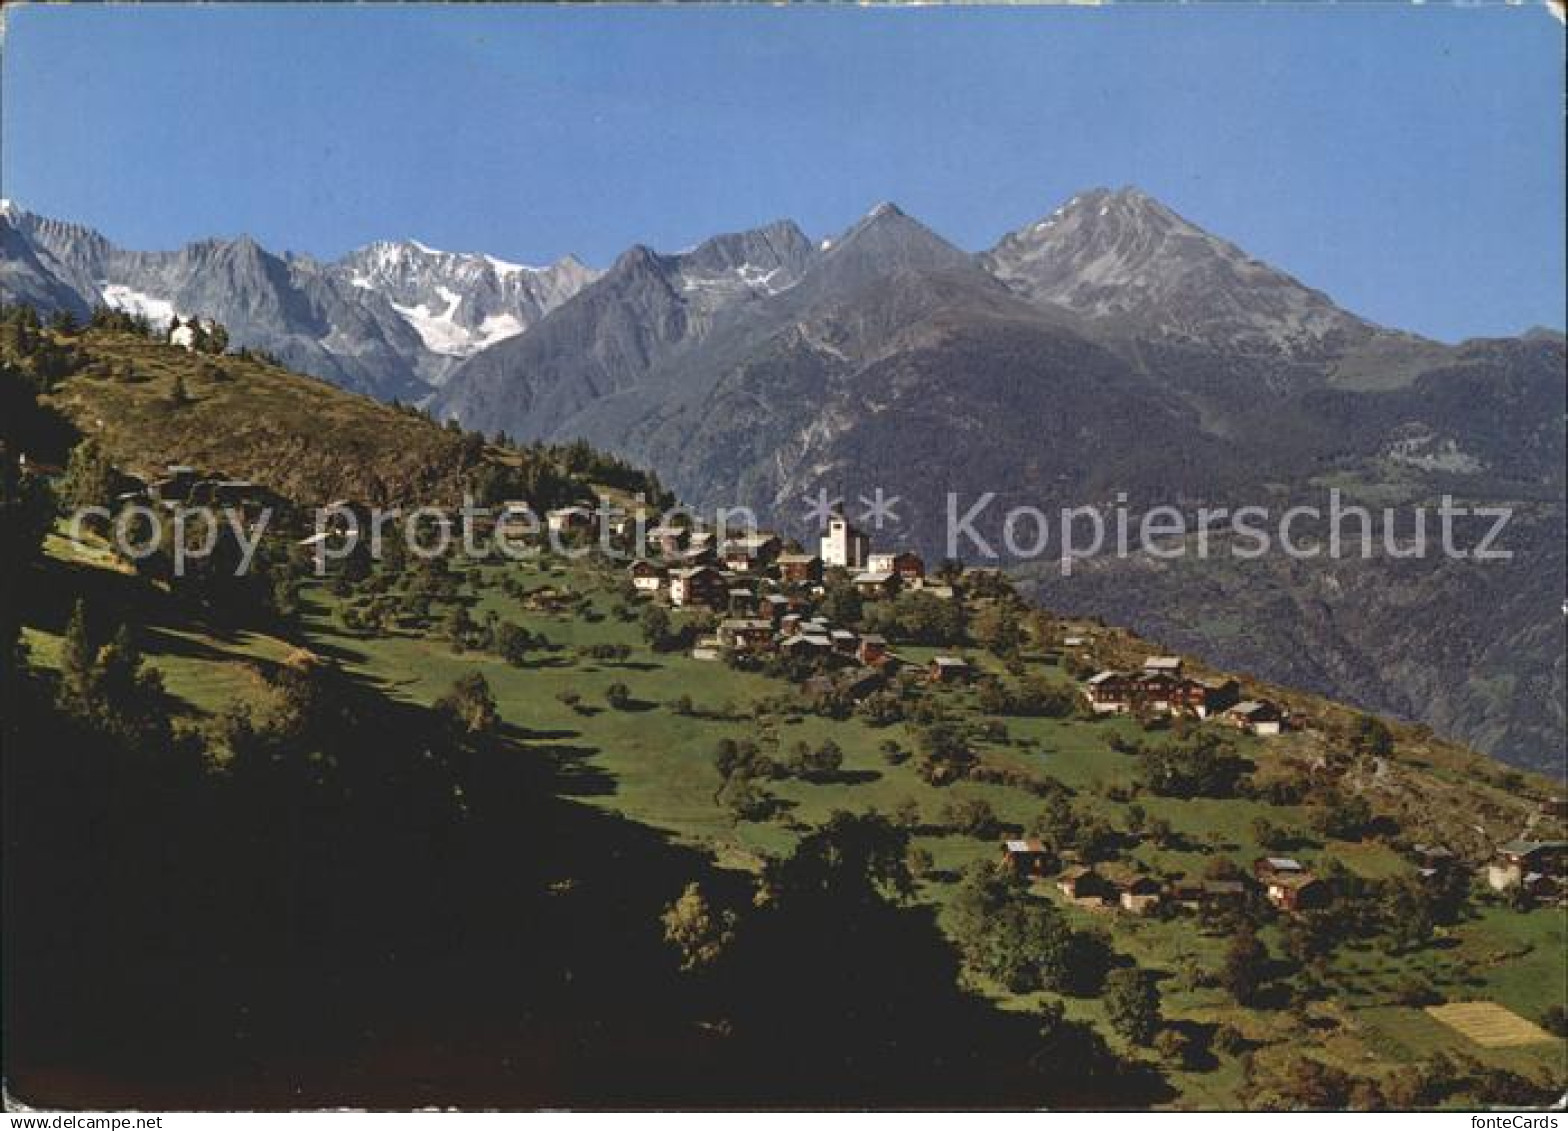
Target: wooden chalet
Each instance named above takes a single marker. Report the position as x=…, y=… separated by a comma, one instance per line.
x=1027, y=857
x=699, y=585
x=798, y=569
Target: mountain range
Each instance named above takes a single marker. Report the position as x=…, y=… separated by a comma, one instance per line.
x=1110, y=349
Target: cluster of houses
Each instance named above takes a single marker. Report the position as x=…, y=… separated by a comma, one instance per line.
x=768, y=593
x=696, y=568
x=1283, y=881
x=1162, y=688
x=183, y=485
x=1535, y=867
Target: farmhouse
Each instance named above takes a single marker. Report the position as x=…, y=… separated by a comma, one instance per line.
x=1519, y=859
x=844, y=641
x=1287, y=884
x=906, y=565
x=1164, y=665
x=750, y=552
x=1085, y=886
x=872, y=648
x=798, y=569
x=668, y=540
x=646, y=577
x=1141, y=895
x=1257, y=716
x=746, y=635
x=949, y=669
x=1027, y=857
x=570, y=519
x=875, y=586
x=700, y=585
x=1113, y=692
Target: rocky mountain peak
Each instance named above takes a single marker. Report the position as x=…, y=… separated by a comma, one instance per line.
x=1125, y=257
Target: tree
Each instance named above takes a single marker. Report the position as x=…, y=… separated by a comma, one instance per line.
x=1370, y=735
x=618, y=696
x=469, y=706
x=655, y=624
x=90, y=479
x=972, y=816
x=512, y=643
x=1407, y=913
x=699, y=934
x=179, y=395
x=998, y=628
x=1246, y=966
x=78, y=667
x=1132, y=1004
x=821, y=763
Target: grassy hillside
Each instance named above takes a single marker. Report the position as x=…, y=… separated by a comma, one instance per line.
x=600, y=795
x=650, y=760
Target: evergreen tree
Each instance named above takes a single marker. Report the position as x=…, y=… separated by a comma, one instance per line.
x=1132, y=1004
x=90, y=479
x=78, y=666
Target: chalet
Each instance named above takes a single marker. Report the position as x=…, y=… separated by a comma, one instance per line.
x=1265, y=867
x=703, y=541
x=949, y=669
x=1141, y=895
x=1075, y=642
x=1164, y=665
x=746, y=635
x=1298, y=891
x=751, y=552
x=708, y=648
x=1084, y=885
x=742, y=601
x=940, y=590
x=844, y=641
x=843, y=545
x=1519, y=859
x=773, y=606
x=906, y=565
x=872, y=648
x=646, y=577
x=809, y=643
x=1432, y=860
x=516, y=519
x=570, y=520
x=875, y=586
x=1027, y=857
x=1257, y=716
x=789, y=623
x=700, y=585
x=798, y=569
x=1113, y=692
x=1287, y=884
x=668, y=540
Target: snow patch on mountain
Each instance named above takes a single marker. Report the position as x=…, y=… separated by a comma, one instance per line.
x=118, y=296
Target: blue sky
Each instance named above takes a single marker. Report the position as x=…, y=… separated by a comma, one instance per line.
x=1409, y=161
